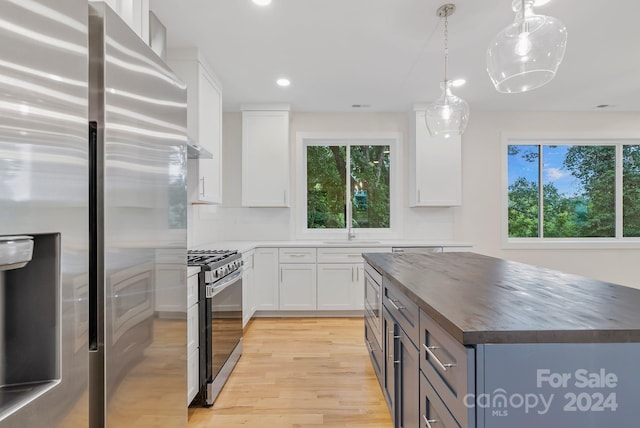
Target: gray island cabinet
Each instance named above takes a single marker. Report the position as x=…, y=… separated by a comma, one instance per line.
x=461, y=340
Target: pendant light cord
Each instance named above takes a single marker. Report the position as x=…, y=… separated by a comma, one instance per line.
x=446, y=43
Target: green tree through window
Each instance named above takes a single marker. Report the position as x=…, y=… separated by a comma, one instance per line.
x=578, y=185
x=367, y=185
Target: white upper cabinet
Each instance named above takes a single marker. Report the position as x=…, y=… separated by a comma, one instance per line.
x=204, y=124
x=265, y=156
x=435, y=166
x=135, y=13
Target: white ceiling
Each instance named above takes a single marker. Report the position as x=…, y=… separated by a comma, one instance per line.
x=389, y=53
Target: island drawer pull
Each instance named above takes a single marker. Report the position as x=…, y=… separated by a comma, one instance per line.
x=429, y=422
x=429, y=350
x=393, y=303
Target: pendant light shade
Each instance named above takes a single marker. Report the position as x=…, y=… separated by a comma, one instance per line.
x=526, y=54
x=448, y=115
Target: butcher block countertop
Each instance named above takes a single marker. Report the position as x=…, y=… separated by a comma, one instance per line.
x=480, y=299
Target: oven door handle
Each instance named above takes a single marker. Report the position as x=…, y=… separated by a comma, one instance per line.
x=228, y=281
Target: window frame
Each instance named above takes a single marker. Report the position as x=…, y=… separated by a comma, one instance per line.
x=305, y=139
x=543, y=139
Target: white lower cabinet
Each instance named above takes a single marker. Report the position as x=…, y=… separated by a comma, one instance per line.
x=297, y=286
x=193, y=359
x=338, y=286
x=265, y=270
x=308, y=279
x=359, y=287
x=248, y=287
x=341, y=277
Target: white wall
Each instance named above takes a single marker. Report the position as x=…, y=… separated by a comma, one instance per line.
x=479, y=218
x=279, y=223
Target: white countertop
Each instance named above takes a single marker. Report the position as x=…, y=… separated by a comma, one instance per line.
x=244, y=246
x=192, y=270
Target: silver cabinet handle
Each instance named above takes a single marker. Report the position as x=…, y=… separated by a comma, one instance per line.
x=393, y=303
x=429, y=350
x=429, y=422
x=393, y=336
x=297, y=255
x=202, y=180
x=419, y=199
x=285, y=196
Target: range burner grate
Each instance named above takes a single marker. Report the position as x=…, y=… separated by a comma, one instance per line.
x=207, y=257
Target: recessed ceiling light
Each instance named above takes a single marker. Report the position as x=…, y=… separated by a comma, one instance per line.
x=458, y=82
x=283, y=82
x=262, y=2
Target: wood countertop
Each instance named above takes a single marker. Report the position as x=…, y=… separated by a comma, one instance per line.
x=480, y=299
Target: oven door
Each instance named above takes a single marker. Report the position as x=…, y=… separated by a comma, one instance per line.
x=226, y=319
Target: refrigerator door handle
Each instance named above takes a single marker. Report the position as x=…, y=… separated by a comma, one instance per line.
x=93, y=236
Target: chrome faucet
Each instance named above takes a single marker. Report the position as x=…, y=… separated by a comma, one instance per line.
x=351, y=233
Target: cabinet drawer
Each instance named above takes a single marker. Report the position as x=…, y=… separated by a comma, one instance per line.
x=297, y=255
x=346, y=254
x=375, y=350
x=449, y=366
x=192, y=290
x=433, y=411
x=402, y=309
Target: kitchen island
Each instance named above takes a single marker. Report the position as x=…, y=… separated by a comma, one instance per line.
x=474, y=341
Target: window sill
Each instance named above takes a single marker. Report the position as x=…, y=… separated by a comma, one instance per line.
x=571, y=244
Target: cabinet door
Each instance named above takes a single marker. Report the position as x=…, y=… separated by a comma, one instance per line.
x=192, y=329
x=389, y=329
x=407, y=383
x=265, y=158
x=210, y=137
x=298, y=286
x=248, y=285
x=193, y=366
x=336, y=286
x=358, y=287
x=171, y=295
x=436, y=167
x=265, y=269
x=204, y=126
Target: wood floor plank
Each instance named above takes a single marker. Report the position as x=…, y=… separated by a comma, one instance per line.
x=299, y=373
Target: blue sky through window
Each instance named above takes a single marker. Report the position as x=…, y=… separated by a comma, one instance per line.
x=525, y=164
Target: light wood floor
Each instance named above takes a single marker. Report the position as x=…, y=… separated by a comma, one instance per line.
x=299, y=372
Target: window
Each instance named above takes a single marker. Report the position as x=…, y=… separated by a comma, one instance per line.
x=573, y=189
x=347, y=182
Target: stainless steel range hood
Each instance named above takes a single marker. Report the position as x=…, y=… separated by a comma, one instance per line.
x=195, y=151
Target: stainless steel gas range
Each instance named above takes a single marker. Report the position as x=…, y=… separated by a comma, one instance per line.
x=219, y=316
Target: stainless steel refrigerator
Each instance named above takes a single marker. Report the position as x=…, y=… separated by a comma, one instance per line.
x=93, y=176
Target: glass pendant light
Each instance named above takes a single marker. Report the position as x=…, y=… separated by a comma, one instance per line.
x=449, y=114
x=527, y=53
